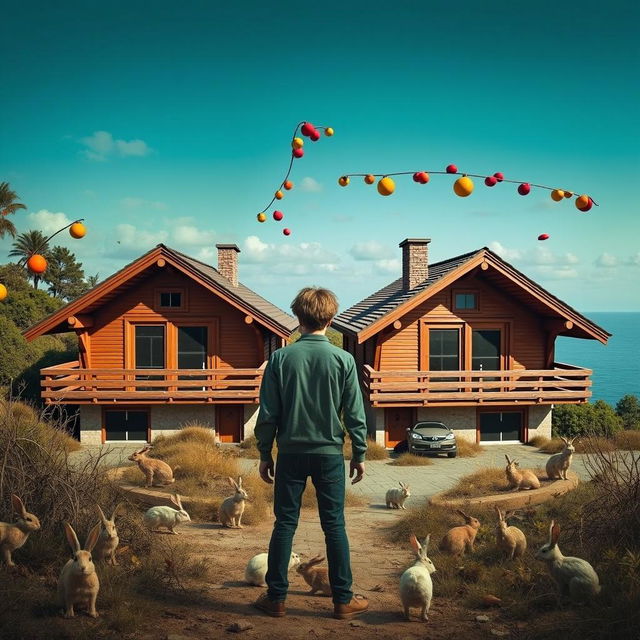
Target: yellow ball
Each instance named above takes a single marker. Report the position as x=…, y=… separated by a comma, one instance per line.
x=463, y=187
x=3, y=292
x=386, y=186
x=343, y=181
x=297, y=143
x=77, y=230
x=369, y=179
x=261, y=217
x=328, y=131
x=557, y=195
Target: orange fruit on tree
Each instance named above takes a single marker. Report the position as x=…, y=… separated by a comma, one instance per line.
x=3, y=292
x=463, y=187
x=386, y=186
x=37, y=263
x=77, y=230
x=557, y=195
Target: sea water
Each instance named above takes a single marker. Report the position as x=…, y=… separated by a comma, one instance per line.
x=616, y=365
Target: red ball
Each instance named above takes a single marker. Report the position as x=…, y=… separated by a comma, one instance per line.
x=314, y=136
x=287, y=232
x=543, y=236
x=491, y=181
x=416, y=176
x=278, y=215
x=307, y=129
x=298, y=153
x=423, y=177
x=524, y=188
x=499, y=176
x=452, y=168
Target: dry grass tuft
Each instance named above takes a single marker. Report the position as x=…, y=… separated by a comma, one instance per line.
x=538, y=442
x=627, y=440
x=586, y=444
x=468, y=449
x=375, y=451
x=411, y=460
x=479, y=483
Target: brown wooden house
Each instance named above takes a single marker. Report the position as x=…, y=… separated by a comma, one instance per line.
x=468, y=341
x=164, y=342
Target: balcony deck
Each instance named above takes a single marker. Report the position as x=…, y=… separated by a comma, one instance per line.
x=564, y=384
x=70, y=384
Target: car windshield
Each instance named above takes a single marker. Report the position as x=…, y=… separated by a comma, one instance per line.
x=431, y=429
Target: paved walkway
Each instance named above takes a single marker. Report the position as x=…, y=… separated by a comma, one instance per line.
x=380, y=475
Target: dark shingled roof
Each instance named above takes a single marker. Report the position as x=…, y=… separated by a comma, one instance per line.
x=245, y=295
x=382, y=302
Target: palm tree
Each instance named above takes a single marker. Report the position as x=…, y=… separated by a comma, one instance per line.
x=7, y=207
x=26, y=245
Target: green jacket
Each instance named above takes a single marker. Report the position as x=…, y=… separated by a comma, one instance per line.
x=305, y=388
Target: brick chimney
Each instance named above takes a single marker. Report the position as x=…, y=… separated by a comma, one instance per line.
x=228, y=262
x=415, y=262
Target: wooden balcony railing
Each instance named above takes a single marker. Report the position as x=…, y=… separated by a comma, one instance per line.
x=70, y=384
x=564, y=384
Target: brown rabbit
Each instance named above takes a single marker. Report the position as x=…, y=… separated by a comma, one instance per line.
x=316, y=577
x=460, y=539
x=152, y=467
x=108, y=540
x=510, y=540
x=13, y=536
x=520, y=479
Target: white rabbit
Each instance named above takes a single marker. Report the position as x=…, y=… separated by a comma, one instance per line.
x=520, y=478
x=559, y=463
x=257, y=568
x=13, y=536
x=78, y=582
x=573, y=575
x=510, y=539
x=395, y=498
x=416, y=586
x=231, y=510
x=108, y=541
x=166, y=516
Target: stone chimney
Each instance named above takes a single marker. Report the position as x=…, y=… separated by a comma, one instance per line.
x=228, y=262
x=415, y=262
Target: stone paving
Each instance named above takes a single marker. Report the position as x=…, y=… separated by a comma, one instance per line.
x=380, y=475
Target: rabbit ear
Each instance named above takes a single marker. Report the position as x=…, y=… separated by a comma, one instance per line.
x=239, y=481
x=554, y=533
x=507, y=457
x=232, y=482
x=415, y=545
x=401, y=485
x=101, y=514
x=18, y=505
x=316, y=560
x=116, y=509
x=564, y=439
x=498, y=512
x=425, y=544
x=179, y=500
x=72, y=538
x=92, y=538
x=463, y=514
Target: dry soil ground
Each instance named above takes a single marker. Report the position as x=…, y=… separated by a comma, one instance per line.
x=377, y=565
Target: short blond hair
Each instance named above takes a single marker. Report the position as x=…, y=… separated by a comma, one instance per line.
x=315, y=307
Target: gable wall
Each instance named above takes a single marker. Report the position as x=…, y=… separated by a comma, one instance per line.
x=400, y=349
x=238, y=343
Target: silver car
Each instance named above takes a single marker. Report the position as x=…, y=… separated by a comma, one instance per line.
x=431, y=437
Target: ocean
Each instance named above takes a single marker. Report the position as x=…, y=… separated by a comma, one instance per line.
x=616, y=365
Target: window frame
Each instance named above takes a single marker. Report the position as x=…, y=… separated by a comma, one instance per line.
x=466, y=292
x=184, y=306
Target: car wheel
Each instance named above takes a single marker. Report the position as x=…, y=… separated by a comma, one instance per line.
x=453, y=454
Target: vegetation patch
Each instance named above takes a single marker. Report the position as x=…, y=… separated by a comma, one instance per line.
x=468, y=449
x=486, y=482
x=411, y=460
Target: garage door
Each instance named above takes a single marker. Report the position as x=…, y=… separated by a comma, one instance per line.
x=501, y=426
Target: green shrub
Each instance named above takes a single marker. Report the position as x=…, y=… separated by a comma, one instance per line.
x=628, y=409
x=597, y=419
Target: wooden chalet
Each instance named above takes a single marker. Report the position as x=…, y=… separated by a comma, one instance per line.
x=468, y=341
x=165, y=342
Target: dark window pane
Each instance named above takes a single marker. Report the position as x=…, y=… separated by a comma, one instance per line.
x=149, y=347
x=165, y=299
x=486, y=343
x=176, y=299
x=465, y=301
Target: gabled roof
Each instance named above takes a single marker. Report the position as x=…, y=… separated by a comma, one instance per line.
x=380, y=309
x=239, y=296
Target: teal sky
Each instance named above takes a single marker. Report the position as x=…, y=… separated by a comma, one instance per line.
x=171, y=122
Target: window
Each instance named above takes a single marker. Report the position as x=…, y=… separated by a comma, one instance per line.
x=172, y=299
x=466, y=301
x=444, y=350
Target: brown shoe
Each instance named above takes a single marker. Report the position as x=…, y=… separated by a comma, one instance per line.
x=358, y=604
x=271, y=608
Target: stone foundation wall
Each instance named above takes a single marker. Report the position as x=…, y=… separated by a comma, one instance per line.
x=540, y=421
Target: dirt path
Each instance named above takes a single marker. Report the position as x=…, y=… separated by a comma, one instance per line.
x=376, y=563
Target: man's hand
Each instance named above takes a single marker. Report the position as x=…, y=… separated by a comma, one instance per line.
x=266, y=471
x=357, y=469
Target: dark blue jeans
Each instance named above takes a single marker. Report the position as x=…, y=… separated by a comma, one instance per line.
x=327, y=475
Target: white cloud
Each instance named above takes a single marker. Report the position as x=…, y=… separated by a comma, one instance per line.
x=139, y=203
x=371, y=250
x=310, y=184
x=504, y=252
x=386, y=267
x=539, y=255
x=101, y=145
x=186, y=234
x=290, y=256
x=606, y=260
x=634, y=261
x=129, y=236
x=48, y=222
x=553, y=272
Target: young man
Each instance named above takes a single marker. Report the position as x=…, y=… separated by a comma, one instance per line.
x=306, y=388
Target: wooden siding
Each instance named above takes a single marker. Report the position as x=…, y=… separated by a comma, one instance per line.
x=400, y=349
x=238, y=344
